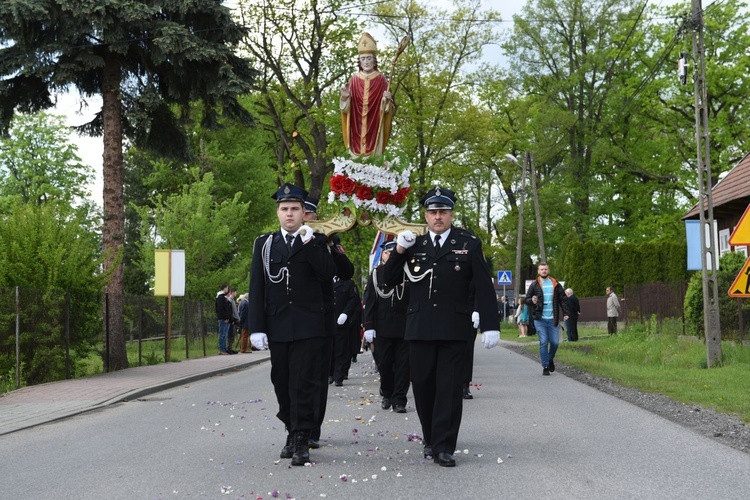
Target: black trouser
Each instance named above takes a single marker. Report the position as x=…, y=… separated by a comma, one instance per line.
x=437, y=383
x=612, y=325
x=342, y=357
x=296, y=378
x=393, y=364
x=325, y=370
x=572, y=328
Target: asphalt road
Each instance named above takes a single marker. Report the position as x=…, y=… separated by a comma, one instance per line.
x=523, y=436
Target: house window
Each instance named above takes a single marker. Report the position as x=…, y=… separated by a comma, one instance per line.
x=724, y=241
x=742, y=250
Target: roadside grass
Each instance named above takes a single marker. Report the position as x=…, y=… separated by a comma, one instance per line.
x=653, y=358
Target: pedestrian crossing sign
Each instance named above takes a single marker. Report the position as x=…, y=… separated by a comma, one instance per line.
x=741, y=286
x=504, y=278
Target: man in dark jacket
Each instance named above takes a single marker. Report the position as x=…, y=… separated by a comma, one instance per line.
x=290, y=273
x=385, y=318
x=442, y=266
x=224, y=315
x=346, y=302
x=545, y=297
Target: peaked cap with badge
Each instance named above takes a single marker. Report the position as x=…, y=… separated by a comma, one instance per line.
x=289, y=192
x=438, y=198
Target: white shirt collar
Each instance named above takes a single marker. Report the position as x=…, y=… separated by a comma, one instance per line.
x=443, y=237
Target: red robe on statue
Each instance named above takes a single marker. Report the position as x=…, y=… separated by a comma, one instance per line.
x=365, y=125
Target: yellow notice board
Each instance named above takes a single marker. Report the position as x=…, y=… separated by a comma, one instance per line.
x=741, y=286
x=169, y=273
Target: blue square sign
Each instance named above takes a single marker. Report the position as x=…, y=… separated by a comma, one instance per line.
x=504, y=278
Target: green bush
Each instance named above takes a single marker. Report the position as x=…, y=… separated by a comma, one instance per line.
x=729, y=265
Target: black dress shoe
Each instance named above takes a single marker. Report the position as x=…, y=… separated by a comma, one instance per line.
x=339, y=383
x=399, y=408
x=385, y=404
x=551, y=366
x=445, y=460
x=427, y=451
x=313, y=443
x=467, y=392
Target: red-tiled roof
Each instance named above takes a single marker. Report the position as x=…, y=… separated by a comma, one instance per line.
x=730, y=195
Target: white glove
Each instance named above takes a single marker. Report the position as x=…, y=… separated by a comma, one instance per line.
x=475, y=319
x=259, y=341
x=369, y=335
x=305, y=234
x=342, y=319
x=491, y=338
x=406, y=239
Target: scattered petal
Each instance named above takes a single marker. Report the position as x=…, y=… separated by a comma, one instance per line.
x=499, y=460
x=399, y=475
x=226, y=490
x=383, y=468
x=343, y=478
x=374, y=476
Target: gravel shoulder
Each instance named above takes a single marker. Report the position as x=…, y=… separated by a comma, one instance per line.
x=726, y=429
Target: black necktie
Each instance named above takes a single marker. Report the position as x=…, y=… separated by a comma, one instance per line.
x=289, y=241
x=437, y=242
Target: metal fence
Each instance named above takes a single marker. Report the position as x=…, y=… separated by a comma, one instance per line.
x=53, y=335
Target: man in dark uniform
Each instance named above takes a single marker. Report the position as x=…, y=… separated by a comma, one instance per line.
x=443, y=267
x=290, y=273
x=385, y=318
x=344, y=269
x=346, y=302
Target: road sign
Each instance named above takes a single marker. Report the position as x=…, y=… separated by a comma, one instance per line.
x=741, y=286
x=741, y=233
x=504, y=278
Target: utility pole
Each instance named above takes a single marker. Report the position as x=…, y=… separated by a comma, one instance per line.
x=519, y=241
x=542, y=251
x=708, y=242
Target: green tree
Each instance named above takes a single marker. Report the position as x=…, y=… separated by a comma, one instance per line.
x=48, y=251
x=306, y=50
x=206, y=229
x=140, y=56
x=38, y=163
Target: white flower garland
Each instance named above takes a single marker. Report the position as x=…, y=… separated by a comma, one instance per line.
x=375, y=177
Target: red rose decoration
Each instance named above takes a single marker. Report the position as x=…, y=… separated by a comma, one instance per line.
x=383, y=197
x=348, y=185
x=400, y=195
x=363, y=192
x=337, y=183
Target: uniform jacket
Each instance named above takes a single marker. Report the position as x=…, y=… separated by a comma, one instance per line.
x=440, y=304
x=559, y=300
x=294, y=307
x=387, y=316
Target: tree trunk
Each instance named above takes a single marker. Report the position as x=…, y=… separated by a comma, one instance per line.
x=113, y=229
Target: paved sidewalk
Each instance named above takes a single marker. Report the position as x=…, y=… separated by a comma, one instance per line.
x=40, y=404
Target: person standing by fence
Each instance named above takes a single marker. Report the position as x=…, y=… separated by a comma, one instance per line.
x=613, y=311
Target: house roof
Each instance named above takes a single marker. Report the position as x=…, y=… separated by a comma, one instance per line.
x=731, y=195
